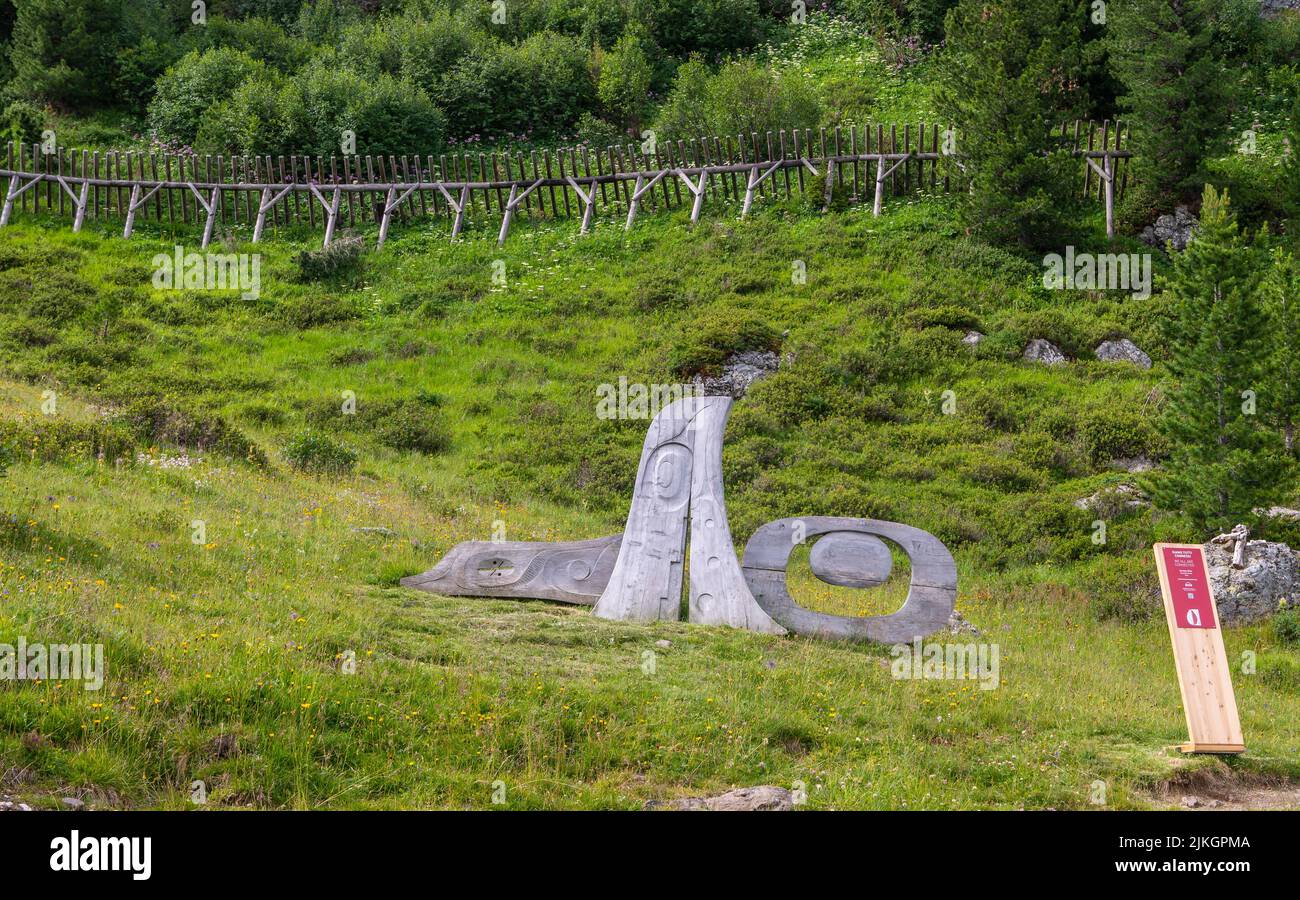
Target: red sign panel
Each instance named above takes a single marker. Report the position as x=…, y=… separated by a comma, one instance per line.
x=1188, y=588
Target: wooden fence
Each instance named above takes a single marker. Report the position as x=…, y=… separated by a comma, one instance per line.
x=292, y=191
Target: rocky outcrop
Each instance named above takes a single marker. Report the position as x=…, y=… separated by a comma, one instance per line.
x=1174, y=230
x=1284, y=513
x=972, y=339
x=1122, y=350
x=739, y=372
x=764, y=798
x=1045, y=352
x=1271, y=574
x=1270, y=8
x=1122, y=495
x=959, y=625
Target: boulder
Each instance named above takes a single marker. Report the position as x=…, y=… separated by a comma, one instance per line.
x=1134, y=464
x=1044, y=352
x=1122, y=350
x=972, y=339
x=1285, y=513
x=739, y=372
x=1255, y=591
x=958, y=624
x=1175, y=230
x=763, y=798
x=1121, y=495
x=1270, y=8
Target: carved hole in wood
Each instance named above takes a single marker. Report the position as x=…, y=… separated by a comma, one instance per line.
x=930, y=598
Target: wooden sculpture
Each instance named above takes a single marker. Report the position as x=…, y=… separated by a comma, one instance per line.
x=678, y=501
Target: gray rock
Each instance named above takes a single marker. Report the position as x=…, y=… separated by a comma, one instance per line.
x=764, y=798
x=1174, y=230
x=1133, y=464
x=739, y=372
x=1126, y=495
x=664, y=644
x=972, y=339
x=1271, y=8
x=73, y=803
x=957, y=624
x=1255, y=592
x=1044, y=352
x=1278, y=512
x=1122, y=350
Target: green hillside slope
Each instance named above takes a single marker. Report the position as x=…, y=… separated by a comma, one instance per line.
x=229, y=659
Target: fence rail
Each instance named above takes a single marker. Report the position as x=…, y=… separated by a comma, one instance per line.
x=295, y=190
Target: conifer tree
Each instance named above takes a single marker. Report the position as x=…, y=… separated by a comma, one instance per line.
x=1014, y=73
x=1175, y=89
x=1221, y=465
x=1282, y=298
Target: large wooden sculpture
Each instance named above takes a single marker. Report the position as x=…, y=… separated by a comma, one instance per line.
x=678, y=501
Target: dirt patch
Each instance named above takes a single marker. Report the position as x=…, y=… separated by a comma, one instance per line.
x=1219, y=787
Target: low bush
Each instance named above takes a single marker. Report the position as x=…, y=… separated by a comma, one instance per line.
x=160, y=420
x=343, y=258
x=1286, y=626
x=311, y=451
x=719, y=333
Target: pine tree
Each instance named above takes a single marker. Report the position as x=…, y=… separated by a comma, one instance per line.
x=1282, y=297
x=1222, y=464
x=1176, y=90
x=1014, y=74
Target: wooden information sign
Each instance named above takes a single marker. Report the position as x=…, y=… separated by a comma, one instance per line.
x=1204, y=677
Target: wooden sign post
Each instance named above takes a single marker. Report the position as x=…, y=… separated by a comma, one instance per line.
x=1204, y=677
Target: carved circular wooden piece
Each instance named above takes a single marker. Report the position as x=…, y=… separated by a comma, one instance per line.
x=851, y=559
x=930, y=597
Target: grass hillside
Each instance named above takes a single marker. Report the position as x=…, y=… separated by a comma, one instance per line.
x=475, y=405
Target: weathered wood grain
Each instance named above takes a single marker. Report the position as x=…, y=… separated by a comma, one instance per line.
x=647, y=580
x=851, y=559
x=570, y=571
x=719, y=594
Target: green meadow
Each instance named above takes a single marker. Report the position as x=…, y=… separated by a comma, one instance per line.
x=196, y=501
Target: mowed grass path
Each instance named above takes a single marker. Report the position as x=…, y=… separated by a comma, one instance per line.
x=230, y=661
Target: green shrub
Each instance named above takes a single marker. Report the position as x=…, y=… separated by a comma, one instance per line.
x=22, y=122
x=716, y=335
x=1118, y=432
x=739, y=98
x=197, y=82
x=311, y=451
x=343, y=258
x=481, y=92
x=1123, y=588
x=60, y=439
x=956, y=317
x=412, y=425
x=1286, y=626
x=1278, y=670
x=387, y=114
x=161, y=420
